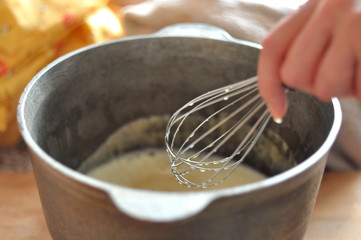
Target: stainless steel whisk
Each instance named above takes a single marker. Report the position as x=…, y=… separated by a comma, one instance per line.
x=213, y=133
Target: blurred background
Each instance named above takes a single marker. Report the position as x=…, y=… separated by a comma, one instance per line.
x=35, y=32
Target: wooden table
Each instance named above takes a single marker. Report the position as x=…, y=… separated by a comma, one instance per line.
x=337, y=214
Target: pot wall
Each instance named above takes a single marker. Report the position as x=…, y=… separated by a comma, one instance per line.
x=77, y=211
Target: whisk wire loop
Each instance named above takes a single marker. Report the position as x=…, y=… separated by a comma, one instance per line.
x=240, y=105
x=213, y=127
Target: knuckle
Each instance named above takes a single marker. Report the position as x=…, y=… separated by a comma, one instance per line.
x=263, y=94
x=328, y=10
x=357, y=88
x=268, y=45
x=352, y=28
x=323, y=87
x=323, y=94
x=264, y=91
x=357, y=94
x=289, y=77
x=331, y=6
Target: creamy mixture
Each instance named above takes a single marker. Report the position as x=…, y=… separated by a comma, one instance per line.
x=150, y=169
x=135, y=156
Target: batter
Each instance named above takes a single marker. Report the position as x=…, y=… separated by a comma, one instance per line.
x=150, y=169
x=119, y=161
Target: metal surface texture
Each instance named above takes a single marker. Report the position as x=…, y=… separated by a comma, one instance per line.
x=73, y=104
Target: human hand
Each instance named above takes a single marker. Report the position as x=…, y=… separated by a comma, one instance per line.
x=317, y=49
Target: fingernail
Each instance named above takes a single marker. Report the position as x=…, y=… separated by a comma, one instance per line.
x=278, y=111
x=278, y=120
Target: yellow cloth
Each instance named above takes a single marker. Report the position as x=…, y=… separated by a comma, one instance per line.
x=35, y=32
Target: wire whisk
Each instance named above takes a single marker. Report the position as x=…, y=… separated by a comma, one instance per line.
x=213, y=133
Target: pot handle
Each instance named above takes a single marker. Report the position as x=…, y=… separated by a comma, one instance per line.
x=201, y=30
x=194, y=30
x=159, y=206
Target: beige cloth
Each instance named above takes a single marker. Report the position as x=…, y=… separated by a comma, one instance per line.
x=248, y=20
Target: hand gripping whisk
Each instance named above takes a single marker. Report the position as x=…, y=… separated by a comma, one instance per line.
x=212, y=134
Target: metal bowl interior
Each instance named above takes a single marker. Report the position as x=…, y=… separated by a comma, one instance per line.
x=78, y=101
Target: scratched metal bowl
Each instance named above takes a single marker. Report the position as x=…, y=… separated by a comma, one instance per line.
x=76, y=102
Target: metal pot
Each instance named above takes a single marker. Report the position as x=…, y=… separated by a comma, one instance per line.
x=73, y=104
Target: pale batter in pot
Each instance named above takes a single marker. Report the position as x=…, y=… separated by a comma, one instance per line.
x=135, y=156
x=150, y=169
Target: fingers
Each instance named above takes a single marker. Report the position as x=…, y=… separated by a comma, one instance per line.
x=354, y=37
x=358, y=80
x=357, y=75
x=307, y=51
x=327, y=66
x=336, y=72
x=316, y=50
x=275, y=46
